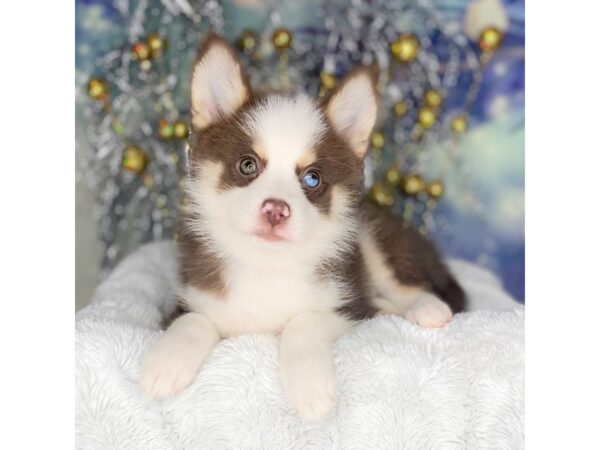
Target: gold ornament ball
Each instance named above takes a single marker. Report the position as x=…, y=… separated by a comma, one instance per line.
x=141, y=51
x=328, y=80
x=378, y=140
x=156, y=44
x=282, y=39
x=413, y=184
x=400, y=108
x=426, y=117
x=180, y=130
x=97, y=89
x=381, y=195
x=165, y=129
x=435, y=189
x=459, y=124
x=393, y=176
x=405, y=48
x=247, y=41
x=433, y=98
x=134, y=160
x=490, y=39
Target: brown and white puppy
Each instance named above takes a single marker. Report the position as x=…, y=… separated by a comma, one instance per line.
x=276, y=239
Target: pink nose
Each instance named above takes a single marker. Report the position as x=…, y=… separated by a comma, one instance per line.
x=275, y=211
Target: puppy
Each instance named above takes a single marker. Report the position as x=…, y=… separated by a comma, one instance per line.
x=276, y=239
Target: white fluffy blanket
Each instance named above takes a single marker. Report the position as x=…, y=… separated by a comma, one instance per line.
x=400, y=386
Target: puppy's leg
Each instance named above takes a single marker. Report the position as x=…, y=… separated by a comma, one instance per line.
x=429, y=311
x=415, y=303
x=175, y=358
x=306, y=362
x=408, y=274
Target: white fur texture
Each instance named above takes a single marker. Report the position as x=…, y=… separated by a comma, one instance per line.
x=282, y=273
x=268, y=283
x=284, y=129
x=306, y=362
x=174, y=360
x=398, y=385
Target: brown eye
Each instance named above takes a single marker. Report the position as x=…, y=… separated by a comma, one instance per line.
x=248, y=166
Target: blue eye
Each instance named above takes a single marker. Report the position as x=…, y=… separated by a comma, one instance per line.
x=311, y=179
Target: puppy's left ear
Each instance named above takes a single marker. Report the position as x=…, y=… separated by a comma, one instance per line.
x=219, y=84
x=352, y=108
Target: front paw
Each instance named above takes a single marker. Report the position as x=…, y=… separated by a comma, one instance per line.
x=311, y=388
x=168, y=368
x=429, y=312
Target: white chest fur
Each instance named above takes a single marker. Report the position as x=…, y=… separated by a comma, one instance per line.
x=260, y=300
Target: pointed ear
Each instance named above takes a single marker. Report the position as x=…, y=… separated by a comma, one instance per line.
x=219, y=85
x=352, y=108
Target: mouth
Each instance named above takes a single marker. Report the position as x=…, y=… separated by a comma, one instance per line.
x=270, y=236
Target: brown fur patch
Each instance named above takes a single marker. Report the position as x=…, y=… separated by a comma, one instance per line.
x=351, y=268
x=337, y=164
x=227, y=143
x=412, y=257
x=224, y=141
x=199, y=267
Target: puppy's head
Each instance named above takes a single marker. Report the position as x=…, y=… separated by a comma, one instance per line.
x=275, y=173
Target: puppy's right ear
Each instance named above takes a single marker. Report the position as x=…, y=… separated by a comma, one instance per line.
x=219, y=85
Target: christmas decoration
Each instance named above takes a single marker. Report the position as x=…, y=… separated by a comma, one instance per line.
x=134, y=160
x=393, y=176
x=382, y=194
x=400, y=108
x=180, y=130
x=405, y=48
x=459, y=124
x=413, y=184
x=248, y=41
x=156, y=44
x=378, y=140
x=426, y=117
x=490, y=39
x=282, y=39
x=140, y=51
x=435, y=189
x=433, y=98
x=98, y=89
x=430, y=73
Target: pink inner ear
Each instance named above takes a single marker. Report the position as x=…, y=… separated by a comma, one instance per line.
x=349, y=122
x=212, y=108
